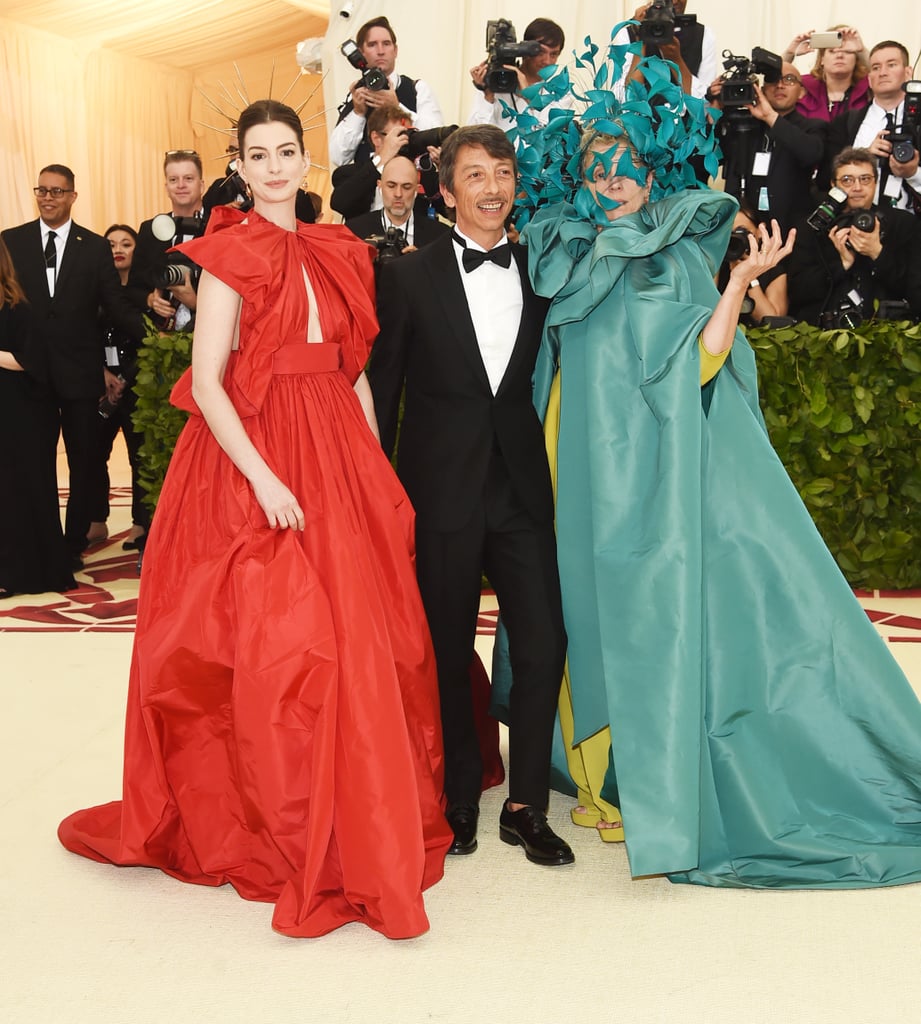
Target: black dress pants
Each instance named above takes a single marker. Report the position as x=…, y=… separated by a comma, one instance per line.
x=79, y=427
x=519, y=558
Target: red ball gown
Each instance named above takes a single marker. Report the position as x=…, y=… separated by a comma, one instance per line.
x=283, y=726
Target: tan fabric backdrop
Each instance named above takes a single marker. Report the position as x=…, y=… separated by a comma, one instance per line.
x=111, y=117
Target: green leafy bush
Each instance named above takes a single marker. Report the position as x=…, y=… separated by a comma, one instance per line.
x=162, y=360
x=843, y=410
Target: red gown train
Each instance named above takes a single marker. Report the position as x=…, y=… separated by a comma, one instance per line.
x=283, y=728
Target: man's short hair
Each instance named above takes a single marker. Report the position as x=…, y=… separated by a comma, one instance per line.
x=888, y=44
x=381, y=117
x=852, y=155
x=547, y=32
x=62, y=170
x=181, y=156
x=380, y=22
x=488, y=136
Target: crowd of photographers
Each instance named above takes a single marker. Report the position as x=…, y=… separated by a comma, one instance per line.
x=833, y=153
x=783, y=135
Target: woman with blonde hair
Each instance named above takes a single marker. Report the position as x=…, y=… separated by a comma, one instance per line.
x=838, y=80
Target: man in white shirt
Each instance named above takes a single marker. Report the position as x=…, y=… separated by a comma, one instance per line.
x=692, y=49
x=899, y=183
x=378, y=44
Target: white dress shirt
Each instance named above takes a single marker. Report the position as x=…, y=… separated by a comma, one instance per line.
x=348, y=133
x=60, y=241
x=407, y=227
x=495, y=301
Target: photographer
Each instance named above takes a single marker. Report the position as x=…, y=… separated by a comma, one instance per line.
x=863, y=255
x=398, y=186
x=770, y=151
x=488, y=105
x=899, y=182
x=185, y=186
x=350, y=139
x=692, y=47
x=355, y=185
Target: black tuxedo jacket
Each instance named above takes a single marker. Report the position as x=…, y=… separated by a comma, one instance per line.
x=452, y=422
x=425, y=229
x=68, y=341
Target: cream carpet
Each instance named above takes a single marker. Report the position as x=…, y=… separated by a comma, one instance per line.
x=509, y=941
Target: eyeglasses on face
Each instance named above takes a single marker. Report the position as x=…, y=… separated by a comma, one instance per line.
x=790, y=80
x=851, y=179
x=56, y=192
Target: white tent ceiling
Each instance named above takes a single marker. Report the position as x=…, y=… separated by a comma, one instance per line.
x=187, y=34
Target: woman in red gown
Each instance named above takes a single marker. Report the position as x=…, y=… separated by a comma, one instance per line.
x=282, y=730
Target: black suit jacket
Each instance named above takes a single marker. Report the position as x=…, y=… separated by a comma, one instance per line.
x=452, y=422
x=796, y=144
x=68, y=340
x=425, y=229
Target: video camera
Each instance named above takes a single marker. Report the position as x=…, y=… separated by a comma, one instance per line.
x=503, y=48
x=660, y=21
x=738, y=92
x=907, y=138
x=371, y=78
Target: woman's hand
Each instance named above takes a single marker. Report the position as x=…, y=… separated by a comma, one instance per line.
x=796, y=46
x=764, y=252
x=281, y=508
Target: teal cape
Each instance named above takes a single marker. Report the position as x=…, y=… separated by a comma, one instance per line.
x=762, y=734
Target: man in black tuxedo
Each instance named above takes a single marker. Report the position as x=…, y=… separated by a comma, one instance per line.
x=67, y=273
x=460, y=329
x=399, y=186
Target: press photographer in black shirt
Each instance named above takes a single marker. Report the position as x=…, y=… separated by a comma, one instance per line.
x=849, y=260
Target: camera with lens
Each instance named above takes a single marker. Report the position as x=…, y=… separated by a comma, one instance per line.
x=389, y=245
x=503, y=48
x=863, y=220
x=845, y=316
x=418, y=142
x=907, y=138
x=738, y=247
x=168, y=228
x=738, y=92
x=371, y=78
x=660, y=21
x=827, y=212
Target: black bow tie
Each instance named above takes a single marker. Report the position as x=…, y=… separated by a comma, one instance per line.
x=472, y=258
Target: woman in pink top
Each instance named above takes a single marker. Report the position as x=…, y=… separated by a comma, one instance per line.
x=838, y=80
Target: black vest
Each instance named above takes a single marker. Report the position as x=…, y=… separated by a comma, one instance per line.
x=406, y=97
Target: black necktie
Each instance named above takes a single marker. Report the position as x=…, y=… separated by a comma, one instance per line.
x=51, y=252
x=884, y=172
x=472, y=258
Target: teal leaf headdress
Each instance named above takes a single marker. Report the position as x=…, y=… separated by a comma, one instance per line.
x=662, y=124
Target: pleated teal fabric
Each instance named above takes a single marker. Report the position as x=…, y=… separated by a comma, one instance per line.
x=762, y=734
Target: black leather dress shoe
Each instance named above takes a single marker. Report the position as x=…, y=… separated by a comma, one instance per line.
x=528, y=828
x=463, y=819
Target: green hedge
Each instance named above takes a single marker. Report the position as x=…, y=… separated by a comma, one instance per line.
x=843, y=410
x=162, y=360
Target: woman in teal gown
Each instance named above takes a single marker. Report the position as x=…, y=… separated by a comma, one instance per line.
x=761, y=735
